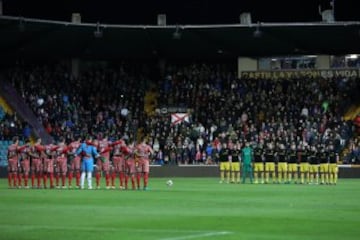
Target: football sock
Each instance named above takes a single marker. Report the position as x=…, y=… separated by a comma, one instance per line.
x=256, y=176
x=126, y=181
x=233, y=176
x=122, y=176
x=77, y=178
x=107, y=179
x=10, y=179
x=15, y=179
x=146, y=179
x=238, y=176
x=331, y=178
x=26, y=179
x=38, y=179
x=113, y=176
x=222, y=175
x=89, y=178
x=326, y=178
x=33, y=179
x=63, y=179
x=133, y=182
x=51, y=179
x=57, y=178
x=280, y=176
x=45, y=179
x=82, y=179
x=97, y=176
x=138, y=177
x=19, y=179
x=70, y=178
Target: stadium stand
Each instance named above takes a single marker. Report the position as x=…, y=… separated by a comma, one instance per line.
x=221, y=107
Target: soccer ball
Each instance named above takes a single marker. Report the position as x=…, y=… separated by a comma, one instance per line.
x=169, y=183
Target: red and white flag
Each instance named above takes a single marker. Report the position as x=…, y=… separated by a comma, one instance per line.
x=177, y=118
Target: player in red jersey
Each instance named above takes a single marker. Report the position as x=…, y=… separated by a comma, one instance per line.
x=36, y=163
x=142, y=154
x=119, y=151
x=130, y=168
x=25, y=162
x=74, y=162
x=13, y=163
x=61, y=163
x=49, y=155
x=103, y=163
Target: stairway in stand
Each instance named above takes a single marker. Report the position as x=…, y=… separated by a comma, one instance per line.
x=352, y=112
x=5, y=106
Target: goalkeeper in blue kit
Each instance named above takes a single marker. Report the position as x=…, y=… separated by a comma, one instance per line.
x=246, y=157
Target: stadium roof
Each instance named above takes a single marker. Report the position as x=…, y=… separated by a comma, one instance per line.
x=24, y=37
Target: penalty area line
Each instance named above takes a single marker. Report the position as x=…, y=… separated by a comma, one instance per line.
x=201, y=235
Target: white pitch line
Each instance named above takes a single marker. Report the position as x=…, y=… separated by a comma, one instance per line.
x=94, y=229
x=209, y=234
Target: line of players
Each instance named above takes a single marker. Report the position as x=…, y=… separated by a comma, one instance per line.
x=303, y=164
x=60, y=161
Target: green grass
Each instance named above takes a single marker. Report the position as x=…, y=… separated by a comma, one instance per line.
x=193, y=208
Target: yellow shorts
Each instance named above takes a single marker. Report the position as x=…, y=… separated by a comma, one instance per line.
x=324, y=167
x=333, y=168
x=270, y=167
x=314, y=168
x=304, y=167
x=292, y=167
x=235, y=167
x=282, y=167
x=258, y=167
x=224, y=166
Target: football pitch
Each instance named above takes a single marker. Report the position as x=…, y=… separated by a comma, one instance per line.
x=193, y=208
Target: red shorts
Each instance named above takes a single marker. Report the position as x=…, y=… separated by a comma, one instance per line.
x=75, y=164
x=49, y=165
x=103, y=166
x=25, y=166
x=36, y=165
x=119, y=164
x=61, y=165
x=143, y=166
x=130, y=166
x=13, y=165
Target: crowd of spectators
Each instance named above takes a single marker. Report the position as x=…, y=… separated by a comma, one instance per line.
x=257, y=110
x=11, y=125
x=102, y=99
x=221, y=107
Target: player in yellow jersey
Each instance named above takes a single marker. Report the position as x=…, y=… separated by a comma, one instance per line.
x=224, y=158
x=314, y=165
x=282, y=163
x=258, y=164
x=333, y=167
x=303, y=154
x=270, y=163
x=292, y=164
x=235, y=163
x=324, y=165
